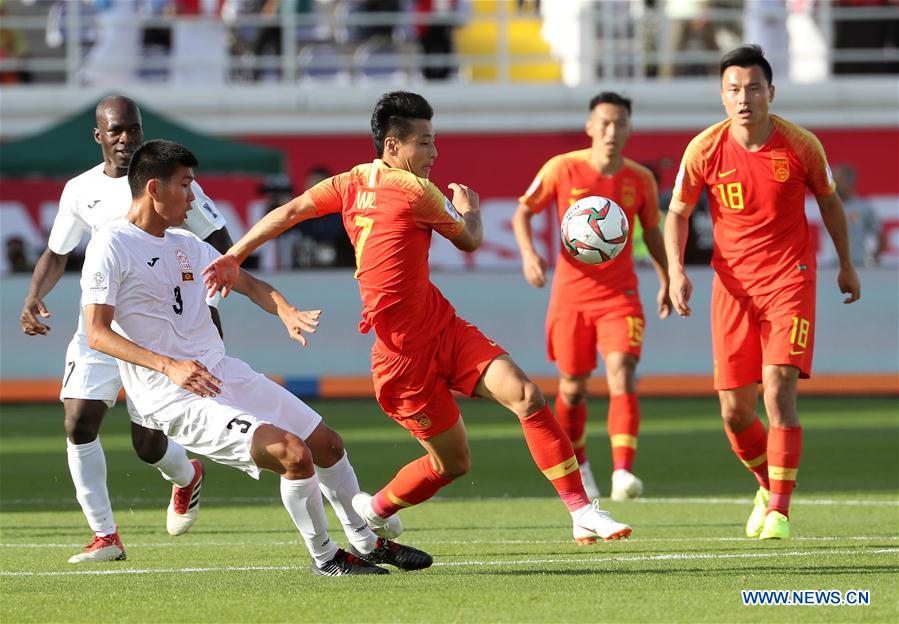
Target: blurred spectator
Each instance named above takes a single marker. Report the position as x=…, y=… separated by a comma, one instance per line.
x=323, y=242
x=320, y=242
x=372, y=8
x=13, y=47
x=113, y=59
x=688, y=29
x=865, y=232
x=765, y=23
x=877, y=33
x=437, y=37
x=15, y=255
x=199, y=43
x=809, y=50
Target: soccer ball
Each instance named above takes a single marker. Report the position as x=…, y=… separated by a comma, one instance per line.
x=594, y=230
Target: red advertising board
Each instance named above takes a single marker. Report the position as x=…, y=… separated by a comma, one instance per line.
x=499, y=166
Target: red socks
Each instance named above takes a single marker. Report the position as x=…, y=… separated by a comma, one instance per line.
x=751, y=446
x=554, y=456
x=784, y=449
x=573, y=419
x=415, y=483
x=624, y=425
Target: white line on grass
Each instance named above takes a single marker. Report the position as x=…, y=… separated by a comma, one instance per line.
x=637, y=540
x=507, y=563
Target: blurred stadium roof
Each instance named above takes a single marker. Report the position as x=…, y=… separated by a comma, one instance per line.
x=67, y=148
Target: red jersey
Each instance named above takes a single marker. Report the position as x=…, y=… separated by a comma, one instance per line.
x=757, y=199
x=389, y=215
x=565, y=179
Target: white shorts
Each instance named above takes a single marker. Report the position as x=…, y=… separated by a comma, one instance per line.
x=90, y=374
x=94, y=376
x=222, y=428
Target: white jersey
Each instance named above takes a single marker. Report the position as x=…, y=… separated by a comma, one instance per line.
x=155, y=285
x=93, y=199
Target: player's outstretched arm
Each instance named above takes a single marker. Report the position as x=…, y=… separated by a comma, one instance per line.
x=676, y=230
x=221, y=274
x=532, y=263
x=263, y=294
x=834, y=218
x=467, y=203
x=187, y=374
x=49, y=268
x=655, y=244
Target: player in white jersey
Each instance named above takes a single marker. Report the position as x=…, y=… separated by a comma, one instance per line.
x=144, y=303
x=91, y=380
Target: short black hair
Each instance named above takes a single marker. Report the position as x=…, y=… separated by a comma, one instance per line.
x=610, y=97
x=393, y=115
x=747, y=56
x=157, y=160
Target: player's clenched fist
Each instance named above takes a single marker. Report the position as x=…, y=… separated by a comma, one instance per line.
x=193, y=376
x=465, y=198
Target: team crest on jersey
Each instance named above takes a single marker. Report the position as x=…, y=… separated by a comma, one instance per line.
x=781, y=166
x=187, y=274
x=423, y=421
x=628, y=195
x=99, y=282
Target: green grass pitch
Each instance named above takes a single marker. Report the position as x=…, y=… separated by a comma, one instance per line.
x=501, y=542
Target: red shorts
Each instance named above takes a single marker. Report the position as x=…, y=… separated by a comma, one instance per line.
x=572, y=338
x=749, y=332
x=415, y=388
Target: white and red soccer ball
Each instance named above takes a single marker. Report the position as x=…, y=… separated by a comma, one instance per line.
x=594, y=230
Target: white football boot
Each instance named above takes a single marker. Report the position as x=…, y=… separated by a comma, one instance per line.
x=625, y=485
x=592, y=524
x=184, y=506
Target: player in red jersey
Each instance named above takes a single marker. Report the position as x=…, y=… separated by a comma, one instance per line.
x=757, y=167
x=422, y=349
x=597, y=306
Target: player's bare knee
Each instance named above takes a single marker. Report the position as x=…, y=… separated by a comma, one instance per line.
x=737, y=417
x=82, y=421
x=150, y=445
x=281, y=452
x=780, y=405
x=326, y=446
x=572, y=391
x=454, y=467
x=530, y=400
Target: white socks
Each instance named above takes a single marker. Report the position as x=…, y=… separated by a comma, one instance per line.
x=174, y=466
x=339, y=484
x=303, y=501
x=87, y=465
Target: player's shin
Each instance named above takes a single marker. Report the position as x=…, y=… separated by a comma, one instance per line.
x=573, y=419
x=784, y=451
x=554, y=456
x=303, y=501
x=87, y=465
x=751, y=446
x=339, y=484
x=415, y=483
x=175, y=467
x=623, y=426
